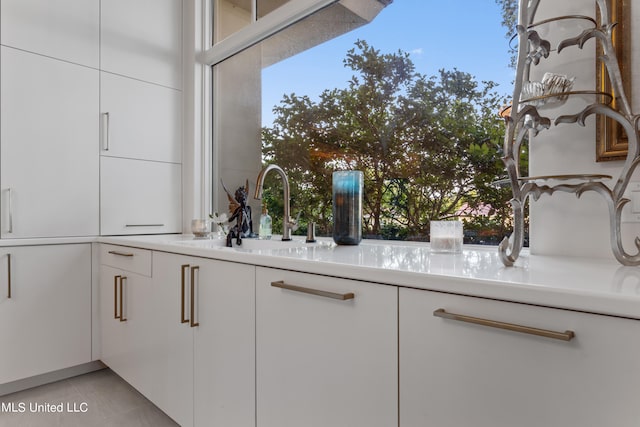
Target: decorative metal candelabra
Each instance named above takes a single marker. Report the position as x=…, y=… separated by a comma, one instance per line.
x=526, y=117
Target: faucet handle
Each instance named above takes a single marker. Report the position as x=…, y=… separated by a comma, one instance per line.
x=295, y=223
x=311, y=232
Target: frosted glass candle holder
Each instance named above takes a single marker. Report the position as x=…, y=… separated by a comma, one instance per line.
x=446, y=236
x=200, y=228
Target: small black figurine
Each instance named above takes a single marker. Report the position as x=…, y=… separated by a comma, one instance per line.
x=241, y=212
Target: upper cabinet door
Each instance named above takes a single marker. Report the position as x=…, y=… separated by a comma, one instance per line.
x=139, y=197
x=49, y=158
x=143, y=39
x=63, y=29
x=140, y=120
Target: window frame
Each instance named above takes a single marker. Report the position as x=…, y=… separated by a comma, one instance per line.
x=211, y=54
x=260, y=29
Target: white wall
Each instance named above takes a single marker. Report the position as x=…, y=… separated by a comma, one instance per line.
x=563, y=224
x=237, y=125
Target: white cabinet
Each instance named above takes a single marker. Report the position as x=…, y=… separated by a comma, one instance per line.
x=49, y=147
x=64, y=29
x=45, y=309
x=63, y=63
x=206, y=374
x=128, y=328
x=324, y=361
x=141, y=116
x=454, y=373
x=224, y=350
x=140, y=120
x=139, y=197
x=174, y=360
x=181, y=332
x=143, y=39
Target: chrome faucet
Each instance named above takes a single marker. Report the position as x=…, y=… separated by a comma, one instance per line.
x=288, y=224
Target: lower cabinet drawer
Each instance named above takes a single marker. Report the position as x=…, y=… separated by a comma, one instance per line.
x=326, y=351
x=471, y=361
x=125, y=258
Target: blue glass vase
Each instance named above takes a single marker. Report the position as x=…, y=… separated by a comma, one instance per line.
x=347, y=207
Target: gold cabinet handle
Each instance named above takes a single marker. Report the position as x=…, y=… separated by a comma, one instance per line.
x=280, y=284
x=126, y=254
x=9, y=276
x=122, y=279
x=563, y=336
x=183, y=273
x=193, y=323
x=115, y=297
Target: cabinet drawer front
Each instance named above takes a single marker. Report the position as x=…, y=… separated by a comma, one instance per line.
x=125, y=258
x=500, y=371
x=326, y=351
x=140, y=197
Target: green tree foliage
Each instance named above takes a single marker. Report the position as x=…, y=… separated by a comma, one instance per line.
x=426, y=145
x=509, y=14
x=509, y=21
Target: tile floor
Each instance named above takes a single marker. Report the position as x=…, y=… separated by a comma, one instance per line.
x=109, y=400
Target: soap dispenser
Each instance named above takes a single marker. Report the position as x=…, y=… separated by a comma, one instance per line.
x=264, y=232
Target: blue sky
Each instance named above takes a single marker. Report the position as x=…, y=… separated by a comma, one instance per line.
x=465, y=34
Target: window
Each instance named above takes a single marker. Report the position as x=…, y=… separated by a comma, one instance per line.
x=233, y=15
x=330, y=92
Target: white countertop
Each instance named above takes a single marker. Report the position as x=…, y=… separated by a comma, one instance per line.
x=591, y=285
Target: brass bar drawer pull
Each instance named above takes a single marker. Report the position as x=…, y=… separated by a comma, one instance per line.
x=122, y=279
x=280, y=284
x=115, y=297
x=183, y=269
x=563, y=336
x=8, y=276
x=193, y=323
x=127, y=254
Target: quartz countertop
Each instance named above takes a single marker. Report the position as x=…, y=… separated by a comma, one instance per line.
x=585, y=284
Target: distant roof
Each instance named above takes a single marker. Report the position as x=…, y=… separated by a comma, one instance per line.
x=483, y=209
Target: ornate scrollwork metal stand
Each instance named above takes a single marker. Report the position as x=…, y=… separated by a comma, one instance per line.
x=525, y=118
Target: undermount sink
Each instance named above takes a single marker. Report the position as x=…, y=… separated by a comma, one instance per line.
x=248, y=244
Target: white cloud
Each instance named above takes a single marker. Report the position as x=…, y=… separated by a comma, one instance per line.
x=418, y=51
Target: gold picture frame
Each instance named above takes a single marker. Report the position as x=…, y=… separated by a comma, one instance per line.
x=611, y=140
